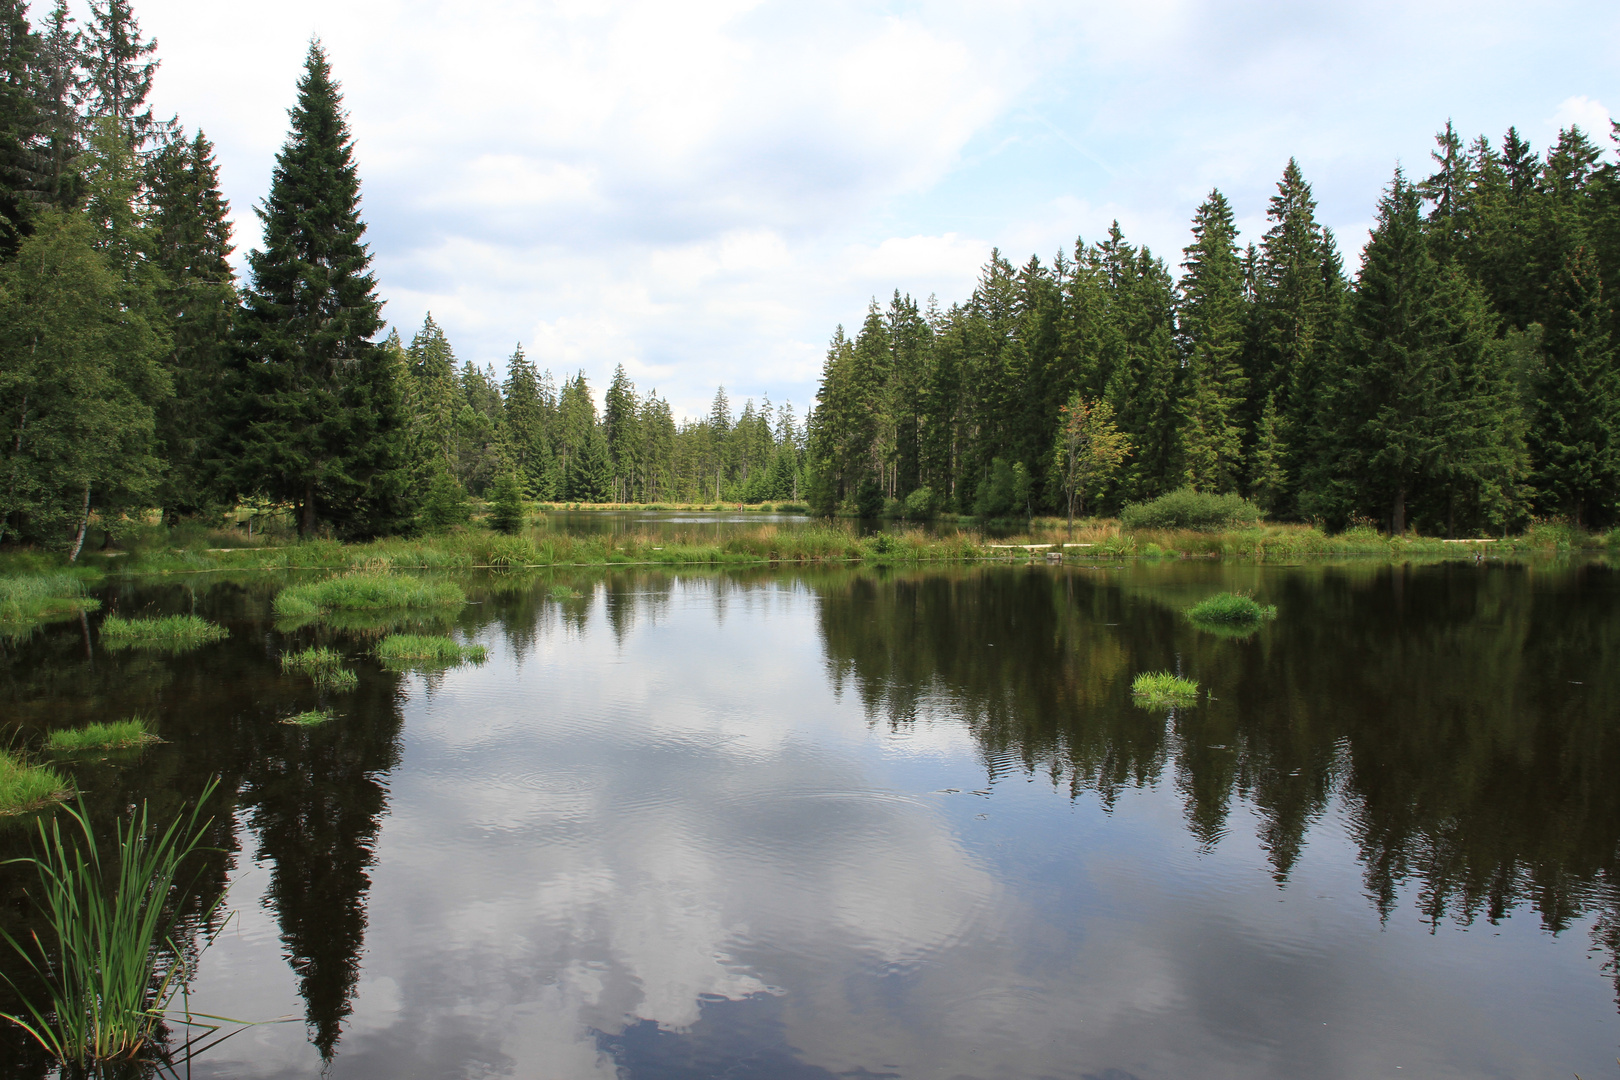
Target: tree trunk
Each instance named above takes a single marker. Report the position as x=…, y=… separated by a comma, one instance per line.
x=1397, y=517
x=84, y=523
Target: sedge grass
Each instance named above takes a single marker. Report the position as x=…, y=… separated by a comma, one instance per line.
x=109, y=961
x=310, y=718
x=323, y=665
x=366, y=591
x=423, y=649
x=25, y=787
x=175, y=633
x=27, y=598
x=116, y=735
x=1158, y=689
x=1230, y=608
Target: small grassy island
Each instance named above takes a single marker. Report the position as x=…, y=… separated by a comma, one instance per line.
x=1161, y=689
x=172, y=633
x=113, y=735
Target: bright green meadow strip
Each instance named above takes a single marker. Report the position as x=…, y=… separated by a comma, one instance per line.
x=117, y=735
x=160, y=632
x=366, y=592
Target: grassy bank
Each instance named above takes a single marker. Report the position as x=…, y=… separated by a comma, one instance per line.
x=28, y=598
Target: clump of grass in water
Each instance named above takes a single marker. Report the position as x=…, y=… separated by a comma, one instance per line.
x=31, y=597
x=1157, y=689
x=113, y=966
x=323, y=665
x=174, y=632
x=1230, y=608
x=563, y=592
x=25, y=787
x=117, y=735
x=312, y=718
x=406, y=649
x=365, y=592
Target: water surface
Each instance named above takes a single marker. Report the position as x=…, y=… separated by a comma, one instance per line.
x=868, y=822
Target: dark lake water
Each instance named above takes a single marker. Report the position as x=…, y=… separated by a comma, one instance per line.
x=897, y=823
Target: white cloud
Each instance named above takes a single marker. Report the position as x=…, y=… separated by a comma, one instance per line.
x=1592, y=117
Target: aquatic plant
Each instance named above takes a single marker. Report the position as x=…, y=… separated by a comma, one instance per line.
x=25, y=786
x=173, y=632
x=407, y=649
x=310, y=718
x=366, y=591
x=323, y=665
x=1230, y=608
x=110, y=962
x=36, y=597
x=1157, y=689
x=563, y=592
x=115, y=735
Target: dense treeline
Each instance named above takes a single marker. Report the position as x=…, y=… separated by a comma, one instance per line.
x=1466, y=379
x=136, y=372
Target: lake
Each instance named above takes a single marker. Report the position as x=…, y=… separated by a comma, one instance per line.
x=894, y=823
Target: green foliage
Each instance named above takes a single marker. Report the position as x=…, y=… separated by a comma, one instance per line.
x=446, y=504
x=1161, y=689
x=310, y=718
x=417, y=650
x=1185, y=508
x=921, y=503
x=506, y=512
x=1230, y=608
x=110, y=961
x=25, y=787
x=113, y=735
x=312, y=660
x=175, y=633
x=32, y=597
x=363, y=591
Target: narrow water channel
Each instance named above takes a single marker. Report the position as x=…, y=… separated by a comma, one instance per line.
x=902, y=823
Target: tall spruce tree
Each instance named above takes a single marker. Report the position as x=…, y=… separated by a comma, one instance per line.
x=1213, y=316
x=20, y=123
x=119, y=67
x=196, y=296
x=620, y=416
x=324, y=417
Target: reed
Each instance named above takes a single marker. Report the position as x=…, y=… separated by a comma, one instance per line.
x=1158, y=689
x=1230, y=608
x=419, y=649
x=110, y=962
x=116, y=735
x=26, y=787
x=36, y=597
x=175, y=633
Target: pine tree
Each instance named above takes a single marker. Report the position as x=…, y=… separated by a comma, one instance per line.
x=20, y=123
x=119, y=68
x=506, y=512
x=1212, y=321
x=191, y=245
x=315, y=436
x=620, y=418
x=590, y=471
x=434, y=400
x=1576, y=437
x=58, y=89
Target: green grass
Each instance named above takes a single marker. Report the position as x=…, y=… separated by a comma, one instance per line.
x=563, y=592
x=172, y=632
x=25, y=787
x=366, y=591
x=117, y=735
x=412, y=649
x=26, y=598
x=311, y=718
x=109, y=958
x=323, y=665
x=1230, y=609
x=1157, y=689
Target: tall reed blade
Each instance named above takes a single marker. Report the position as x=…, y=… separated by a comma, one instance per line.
x=113, y=965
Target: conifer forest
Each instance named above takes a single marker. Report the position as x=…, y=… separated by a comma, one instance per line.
x=1463, y=380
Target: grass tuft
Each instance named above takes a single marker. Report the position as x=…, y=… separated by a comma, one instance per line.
x=173, y=632
x=1157, y=689
x=563, y=592
x=25, y=787
x=29, y=598
x=323, y=665
x=311, y=718
x=117, y=735
x=365, y=591
x=417, y=649
x=1230, y=608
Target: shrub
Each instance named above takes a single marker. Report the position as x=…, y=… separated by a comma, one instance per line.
x=117, y=735
x=921, y=503
x=1230, y=608
x=1189, y=509
x=174, y=632
x=417, y=649
x=1157, y=689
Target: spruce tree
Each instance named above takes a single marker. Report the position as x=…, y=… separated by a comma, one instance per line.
x=119, y=68
x=1576, y=436
x=619, y=417
x=506, y=513
x=1213, y=317
x=196, y=296
x=525, y=419
x=324, y=416
x=58, y=88
x=20, y=123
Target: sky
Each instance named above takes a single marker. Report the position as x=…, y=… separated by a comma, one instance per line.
x=702, y=191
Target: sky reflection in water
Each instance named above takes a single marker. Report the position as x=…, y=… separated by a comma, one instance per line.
x=897, y=823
